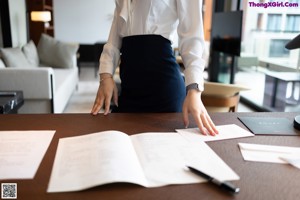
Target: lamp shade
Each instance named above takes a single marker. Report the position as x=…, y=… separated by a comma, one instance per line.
x=40, y=16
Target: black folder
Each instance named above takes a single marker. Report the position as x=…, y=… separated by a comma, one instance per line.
x=269, y=126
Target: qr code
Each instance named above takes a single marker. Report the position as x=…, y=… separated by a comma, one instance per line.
x=8, y=191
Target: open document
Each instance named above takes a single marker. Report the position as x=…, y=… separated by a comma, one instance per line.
x=21, y=152
x=146, y=159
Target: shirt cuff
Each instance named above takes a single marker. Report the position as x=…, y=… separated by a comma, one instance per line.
x=109, y=59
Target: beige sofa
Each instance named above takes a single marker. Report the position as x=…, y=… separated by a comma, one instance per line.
x=47, y=74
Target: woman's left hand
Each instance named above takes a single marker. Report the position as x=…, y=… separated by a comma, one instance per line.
x=193, y=104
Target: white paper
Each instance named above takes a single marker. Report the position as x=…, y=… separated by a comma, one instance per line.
x=164, y=157
x=85, y=161
x=293, y=160
x=267, y=153
x=21, y=152
x=147, y=159
x=225, y=132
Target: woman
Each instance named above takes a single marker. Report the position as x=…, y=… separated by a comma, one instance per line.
x=150, y=77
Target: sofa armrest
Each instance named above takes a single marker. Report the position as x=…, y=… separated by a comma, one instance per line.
x=36, y=83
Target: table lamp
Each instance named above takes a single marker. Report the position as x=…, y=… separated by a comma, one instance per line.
x=41, y=16
x=295, y=44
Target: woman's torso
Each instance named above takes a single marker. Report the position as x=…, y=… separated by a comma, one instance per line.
x=140, y=17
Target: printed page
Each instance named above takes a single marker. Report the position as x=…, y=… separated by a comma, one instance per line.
x=164, y=157
x=86, y=161
x=21, y=152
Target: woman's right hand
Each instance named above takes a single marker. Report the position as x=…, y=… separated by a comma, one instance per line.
x=106, y=91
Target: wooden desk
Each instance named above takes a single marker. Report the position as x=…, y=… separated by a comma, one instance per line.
x=258, y=180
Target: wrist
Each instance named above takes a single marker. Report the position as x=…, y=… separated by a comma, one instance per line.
x=193, y=92
x=105, y=76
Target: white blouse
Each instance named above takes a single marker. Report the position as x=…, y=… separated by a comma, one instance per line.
x=160, y=17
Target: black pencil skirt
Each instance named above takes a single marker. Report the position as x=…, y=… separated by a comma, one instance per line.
x=150, y=76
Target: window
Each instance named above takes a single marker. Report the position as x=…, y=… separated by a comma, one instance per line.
x=274, y=22
x=292, y=23
x=295, y=1
x=277, y=48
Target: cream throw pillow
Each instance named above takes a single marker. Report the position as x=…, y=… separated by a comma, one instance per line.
x=14, y=57
x=56, y=53
x=31, y=53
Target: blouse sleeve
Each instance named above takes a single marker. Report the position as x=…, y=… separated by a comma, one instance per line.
x=110, y=56
x=191, y=40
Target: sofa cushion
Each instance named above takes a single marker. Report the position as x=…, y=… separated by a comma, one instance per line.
x=56, y=53
x=14, y=57
x=2, y=65
x=31, y=53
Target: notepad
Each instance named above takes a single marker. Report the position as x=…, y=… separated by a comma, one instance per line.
x=146, y=159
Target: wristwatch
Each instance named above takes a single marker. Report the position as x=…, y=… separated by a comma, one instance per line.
x=194, y=86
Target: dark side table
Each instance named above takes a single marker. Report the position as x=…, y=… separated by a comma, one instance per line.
x=10, y=101
x=276, y=90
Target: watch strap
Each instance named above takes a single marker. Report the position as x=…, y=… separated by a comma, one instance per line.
x=193, y=86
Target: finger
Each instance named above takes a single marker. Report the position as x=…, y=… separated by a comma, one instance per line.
x=97, y=106
x=96, y=109
x=115, y=96
x=212, y=125
x=207, y=125
x=107, y=106
x=185, y=117
x=199, y=123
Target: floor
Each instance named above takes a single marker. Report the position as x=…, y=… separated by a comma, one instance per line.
x=83, y=98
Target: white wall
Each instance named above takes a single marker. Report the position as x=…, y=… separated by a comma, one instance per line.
x=83, y=21
x=17, y=12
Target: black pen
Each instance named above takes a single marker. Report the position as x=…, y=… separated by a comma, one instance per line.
x=222, y=184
